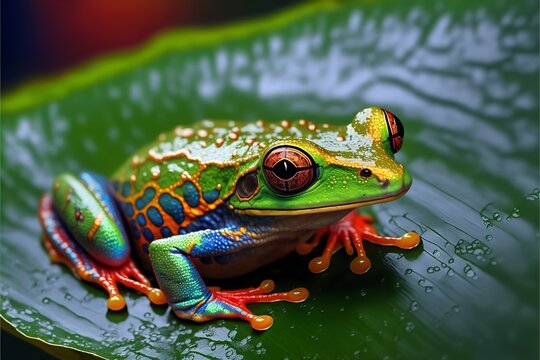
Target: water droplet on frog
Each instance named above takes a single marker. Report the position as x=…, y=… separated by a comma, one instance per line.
x=436, y=253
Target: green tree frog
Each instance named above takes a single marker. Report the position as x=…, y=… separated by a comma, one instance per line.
x=221, y=199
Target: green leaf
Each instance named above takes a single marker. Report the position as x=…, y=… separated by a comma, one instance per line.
x=464, y=79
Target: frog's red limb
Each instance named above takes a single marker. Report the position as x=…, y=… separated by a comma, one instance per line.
x=350, y=232
x=62, y=249
x=232, y=304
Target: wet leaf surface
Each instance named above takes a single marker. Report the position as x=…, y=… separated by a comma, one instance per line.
x=464, y=79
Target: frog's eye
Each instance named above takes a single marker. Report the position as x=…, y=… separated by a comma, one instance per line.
x=395, y=130
x=289, y=170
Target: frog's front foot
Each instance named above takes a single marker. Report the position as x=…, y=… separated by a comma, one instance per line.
x=350, y=232
x=232, y=304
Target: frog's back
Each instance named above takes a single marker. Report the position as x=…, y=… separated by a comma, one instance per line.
x=189, y=172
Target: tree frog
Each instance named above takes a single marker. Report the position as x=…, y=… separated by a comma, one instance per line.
x=221, y=199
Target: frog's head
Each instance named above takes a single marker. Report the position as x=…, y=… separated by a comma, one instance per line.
x=329, y=170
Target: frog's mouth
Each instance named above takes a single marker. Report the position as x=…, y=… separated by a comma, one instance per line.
x=328, y=208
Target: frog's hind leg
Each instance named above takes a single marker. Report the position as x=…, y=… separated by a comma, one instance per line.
x=187, y=293
x=64, y=247
x=350, y=232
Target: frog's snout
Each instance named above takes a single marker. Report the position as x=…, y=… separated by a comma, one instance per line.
x=366, y=174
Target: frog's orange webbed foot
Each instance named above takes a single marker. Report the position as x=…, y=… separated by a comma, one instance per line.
x=350, y=232
x=62, y=249
x=232, y=304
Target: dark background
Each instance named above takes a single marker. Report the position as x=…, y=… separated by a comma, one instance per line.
x=46, y=37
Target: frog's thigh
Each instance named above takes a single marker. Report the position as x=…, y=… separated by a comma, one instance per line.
x=89, y=214
x=177, y=276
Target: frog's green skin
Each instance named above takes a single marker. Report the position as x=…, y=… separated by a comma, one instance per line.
x=186, y=189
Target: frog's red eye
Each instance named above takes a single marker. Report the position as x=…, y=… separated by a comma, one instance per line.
x=289, y=170
x=396, y=131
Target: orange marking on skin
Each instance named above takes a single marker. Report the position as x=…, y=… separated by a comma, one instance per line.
x=67, y=200
x=95, y=226
x=234, y=234
x=191, y=245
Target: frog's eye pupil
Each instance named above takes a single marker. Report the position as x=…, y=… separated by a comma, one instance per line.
x=289, y=170
x=396, y=131
x=284, y=169
x=365, y=173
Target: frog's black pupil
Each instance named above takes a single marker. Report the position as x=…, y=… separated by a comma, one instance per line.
x=365, y=173
x=284, y=169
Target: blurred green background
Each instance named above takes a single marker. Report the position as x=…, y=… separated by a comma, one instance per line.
x=463, y=76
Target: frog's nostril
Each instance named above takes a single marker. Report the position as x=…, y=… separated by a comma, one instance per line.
x=385, y=183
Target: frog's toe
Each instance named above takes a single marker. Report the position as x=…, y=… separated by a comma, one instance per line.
x=360, y=265
x=232, y=304
x=262, y=322
x=319, y=264
x=157, y=297
x=116, y=302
